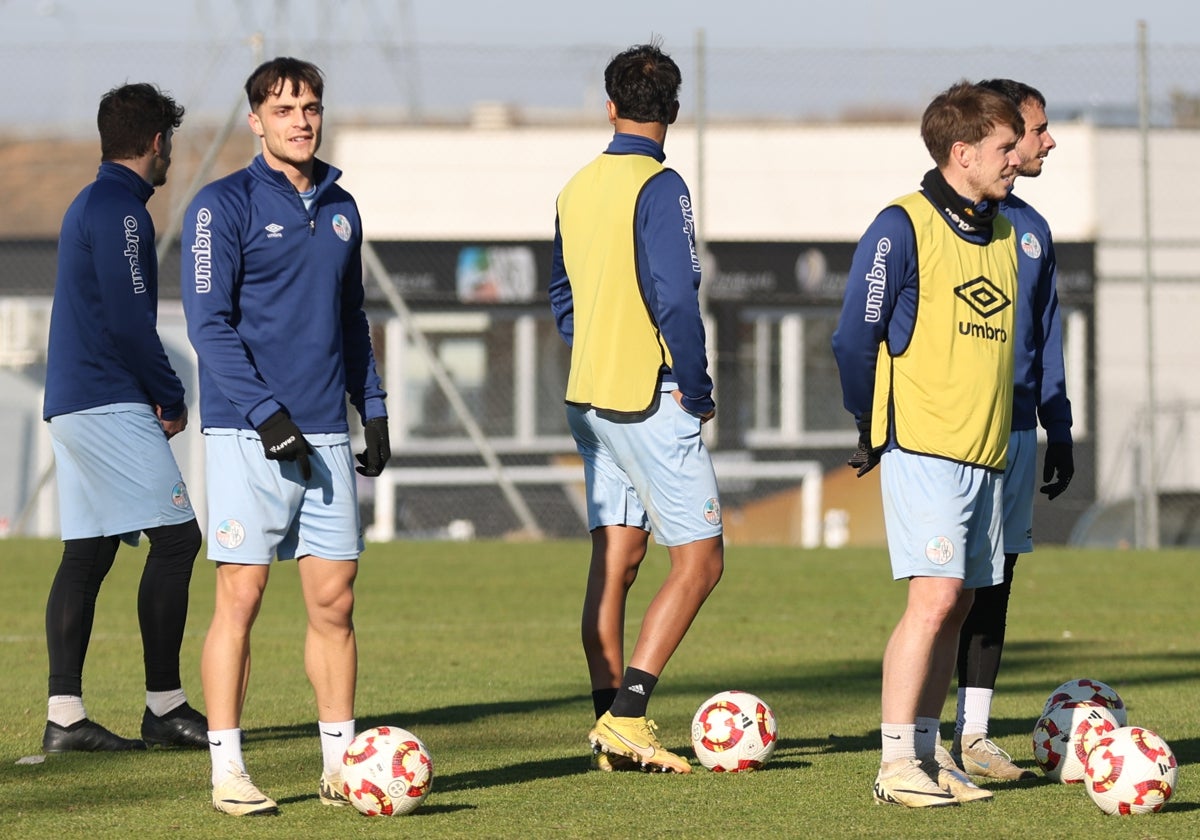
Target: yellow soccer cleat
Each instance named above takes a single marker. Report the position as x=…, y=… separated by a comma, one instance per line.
x=331, y=791
x=950, y=777
x=906, y=782
x=634, y=738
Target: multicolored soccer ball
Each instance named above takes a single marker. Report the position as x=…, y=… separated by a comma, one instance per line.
x=1131, y=771
x=1063, y=736
x=733, y=732
x=386, y=771
x=1092, y=691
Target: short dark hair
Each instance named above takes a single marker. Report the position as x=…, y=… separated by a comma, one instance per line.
x=269, y=78
x=643, y=82
x=966, y=113
x=1018, y=92
x=130, y=116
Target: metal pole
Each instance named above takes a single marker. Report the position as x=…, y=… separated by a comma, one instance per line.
x=1149, y=534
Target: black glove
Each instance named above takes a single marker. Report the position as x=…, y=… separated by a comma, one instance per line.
x=864, y=458
x=378, y=450
x=1060, y=461
x=282, y=440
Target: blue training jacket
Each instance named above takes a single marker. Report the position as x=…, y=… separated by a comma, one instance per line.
x=1040, y=387
x=668, y=269
x=273, y=295
x=104, y=346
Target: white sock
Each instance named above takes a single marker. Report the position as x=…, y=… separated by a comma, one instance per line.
x=225, y=748
x=977, y=711
x=65, y=709
x=335, y=737
x=898, y=741
x=926, y=736
x=161, y=702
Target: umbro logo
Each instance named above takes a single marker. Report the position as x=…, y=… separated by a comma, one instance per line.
x=982, y=295
x=637, y=689
x=274, y=231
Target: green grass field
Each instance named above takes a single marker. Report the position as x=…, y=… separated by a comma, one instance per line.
x=474, y=647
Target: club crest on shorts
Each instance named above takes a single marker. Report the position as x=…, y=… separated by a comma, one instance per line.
x=341, y=226
x=179, y=496
x=939, y=551
x=712, y=512
x=231, y=534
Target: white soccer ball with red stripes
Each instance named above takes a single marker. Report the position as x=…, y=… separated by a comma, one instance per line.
x=386, y=772
x=1092, y=691
x=1131, y=771
x=733, y=732
x=1063, y=737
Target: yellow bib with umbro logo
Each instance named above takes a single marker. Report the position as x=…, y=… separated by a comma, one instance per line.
x=616, y=351
x=949, y=392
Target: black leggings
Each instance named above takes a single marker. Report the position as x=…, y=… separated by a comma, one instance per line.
x=162, y=605
x=981, y=640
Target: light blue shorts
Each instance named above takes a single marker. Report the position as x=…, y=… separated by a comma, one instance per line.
x=259, y=510
x=1020, y=479
x=650, y=471
x=943, y=519
x=116, y=473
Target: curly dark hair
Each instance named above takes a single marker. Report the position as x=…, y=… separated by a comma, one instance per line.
x=129, y=118
x=643, y=82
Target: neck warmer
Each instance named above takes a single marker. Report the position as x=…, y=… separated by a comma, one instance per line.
x=972, y=220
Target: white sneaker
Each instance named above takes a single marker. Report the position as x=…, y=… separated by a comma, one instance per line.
x=237, y=795
x=984, y=759
x=951, y=778
x=906, y=783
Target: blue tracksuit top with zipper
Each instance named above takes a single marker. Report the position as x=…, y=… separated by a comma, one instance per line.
x=668, y=269
x=104, y=346
x=1040, y=388
x=273, y=295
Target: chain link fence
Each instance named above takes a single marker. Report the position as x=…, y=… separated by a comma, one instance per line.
x=505, y=365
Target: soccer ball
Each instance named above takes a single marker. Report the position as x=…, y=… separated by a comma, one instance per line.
x=1131, y=771
x=1093, y=691
x=734, y=731
x=1063, y=736
x=386, y=771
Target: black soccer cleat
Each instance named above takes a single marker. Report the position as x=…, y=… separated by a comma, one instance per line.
x=85, y=736
x=183, y=726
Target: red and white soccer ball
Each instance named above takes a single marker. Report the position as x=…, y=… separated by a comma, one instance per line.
x=733, y=732
x=1131, y=771
x=387, y=772
x=1063, y=736
x=1092, y=691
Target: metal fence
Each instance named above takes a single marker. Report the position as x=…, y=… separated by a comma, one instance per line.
x=376, y=76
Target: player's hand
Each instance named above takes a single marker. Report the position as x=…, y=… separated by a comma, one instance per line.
x=1060, y=462
x=378, y=450
x=172, y=427
x=282, y=440
x=704, y=418
x=864, y=458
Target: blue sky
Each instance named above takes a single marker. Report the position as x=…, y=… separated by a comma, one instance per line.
x=730, y=23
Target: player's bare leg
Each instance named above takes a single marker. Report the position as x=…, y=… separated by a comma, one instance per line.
x=617, y=553
x=225, y=661
x=695, y=570
x=330, y=648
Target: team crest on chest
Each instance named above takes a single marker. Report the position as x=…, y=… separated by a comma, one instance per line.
x=1031, y=246
x=341, y=226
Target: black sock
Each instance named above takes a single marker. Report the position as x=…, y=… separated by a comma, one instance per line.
x=602, y=700
x=163, y=600
x=634, y=695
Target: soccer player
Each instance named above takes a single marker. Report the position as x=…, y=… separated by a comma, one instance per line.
x=624, y=290
x=273, y=294
x=924, y=351
x=1039, y=392
x=113, y=400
